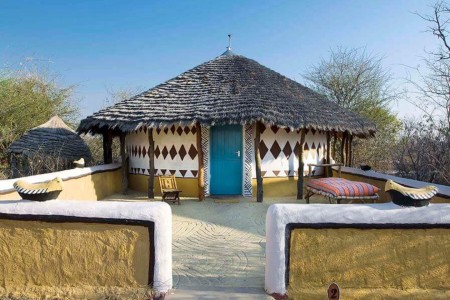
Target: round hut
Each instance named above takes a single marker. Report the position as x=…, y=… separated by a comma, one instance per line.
x=52, y=146
x=230, y=126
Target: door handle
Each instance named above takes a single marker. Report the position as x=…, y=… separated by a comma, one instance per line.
x=238, y=153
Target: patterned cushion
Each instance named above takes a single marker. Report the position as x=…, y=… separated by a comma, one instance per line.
x=340, y=187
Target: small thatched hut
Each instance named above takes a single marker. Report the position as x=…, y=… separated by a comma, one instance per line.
x=49, y=147
x=226, y=127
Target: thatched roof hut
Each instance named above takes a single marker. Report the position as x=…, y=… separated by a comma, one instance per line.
x=230, y=89
x=53, y=139
x=197, y=125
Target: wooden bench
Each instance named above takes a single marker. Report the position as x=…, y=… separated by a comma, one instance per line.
x=169, y=190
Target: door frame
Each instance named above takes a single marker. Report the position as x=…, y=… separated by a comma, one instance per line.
x=242, y=157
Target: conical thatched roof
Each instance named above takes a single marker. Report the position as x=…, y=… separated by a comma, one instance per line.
x=53, y=138
x=230, y=89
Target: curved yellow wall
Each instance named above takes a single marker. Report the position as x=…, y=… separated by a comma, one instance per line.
x=370, y=263
x=89, y=187
x=55, y=259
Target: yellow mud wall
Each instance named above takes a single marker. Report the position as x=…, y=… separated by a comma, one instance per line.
x=384, y=197
x=370, y=263
x=189, y=186
x=278, y=186
x=72, y=259
x=90, y=187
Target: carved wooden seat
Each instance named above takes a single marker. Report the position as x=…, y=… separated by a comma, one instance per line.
x=169, y=190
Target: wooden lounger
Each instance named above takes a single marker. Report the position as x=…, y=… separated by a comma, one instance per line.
x=336, y=189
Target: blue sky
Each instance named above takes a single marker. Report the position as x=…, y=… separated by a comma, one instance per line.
x=112, y=45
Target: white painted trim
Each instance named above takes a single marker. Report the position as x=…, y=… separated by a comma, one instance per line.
x=158, y=212
x=279, y=215
x=6, y=186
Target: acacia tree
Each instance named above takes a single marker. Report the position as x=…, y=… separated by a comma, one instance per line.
x=95, y=143
x=423, y=150
x=357, y=81
x=28, y=99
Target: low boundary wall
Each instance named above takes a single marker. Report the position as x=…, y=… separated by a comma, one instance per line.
x=91, y=183
x=372, y=251
x=84, y=249
x=379, y=180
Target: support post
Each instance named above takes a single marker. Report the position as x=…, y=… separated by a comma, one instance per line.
x=328, y=169
x=333, y=147
x=259, y=179
x=201, y=168
x=107, y=147
x=343, y=142
x=151, y=164
x=124, y=157
x=328, y=147
x=350, y=151
x=347, y=150
x=301, y=165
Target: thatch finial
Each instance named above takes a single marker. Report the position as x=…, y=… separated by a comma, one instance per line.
x=229, y=42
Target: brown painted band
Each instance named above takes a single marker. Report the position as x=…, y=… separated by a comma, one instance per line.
x=65, y=219
x=363, y=226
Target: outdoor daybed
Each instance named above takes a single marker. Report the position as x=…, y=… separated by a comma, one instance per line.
x=336, y=189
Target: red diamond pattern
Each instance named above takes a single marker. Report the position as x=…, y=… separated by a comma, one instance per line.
x=166, y=130
x=192, y=151
x=172, y=129
x=182, y=152
x=158, y=130
x=287, y=150
x=194, y=130
x=139, y=151
x=164, y=152
x=180, y=131
x=275, y=149
x=173, y=151
x=263, y=149
x=262, y=128
x=157, y=152
x=186, y=130
x=274, y=129
x=144, y=151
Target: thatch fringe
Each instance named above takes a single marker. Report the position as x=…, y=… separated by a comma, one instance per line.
x=229, y=89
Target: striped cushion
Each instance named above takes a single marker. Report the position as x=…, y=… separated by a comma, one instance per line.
x=340, y=187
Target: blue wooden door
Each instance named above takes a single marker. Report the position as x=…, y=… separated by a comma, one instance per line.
x=226, y=160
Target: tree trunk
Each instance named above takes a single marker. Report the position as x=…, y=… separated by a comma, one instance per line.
x=259, y=179
x=301, y=165
x=107, y=147
x=124, y=157
x=201, y=168
x=151, y=164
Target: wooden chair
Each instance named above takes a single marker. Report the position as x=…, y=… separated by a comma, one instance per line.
x=169, y=190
